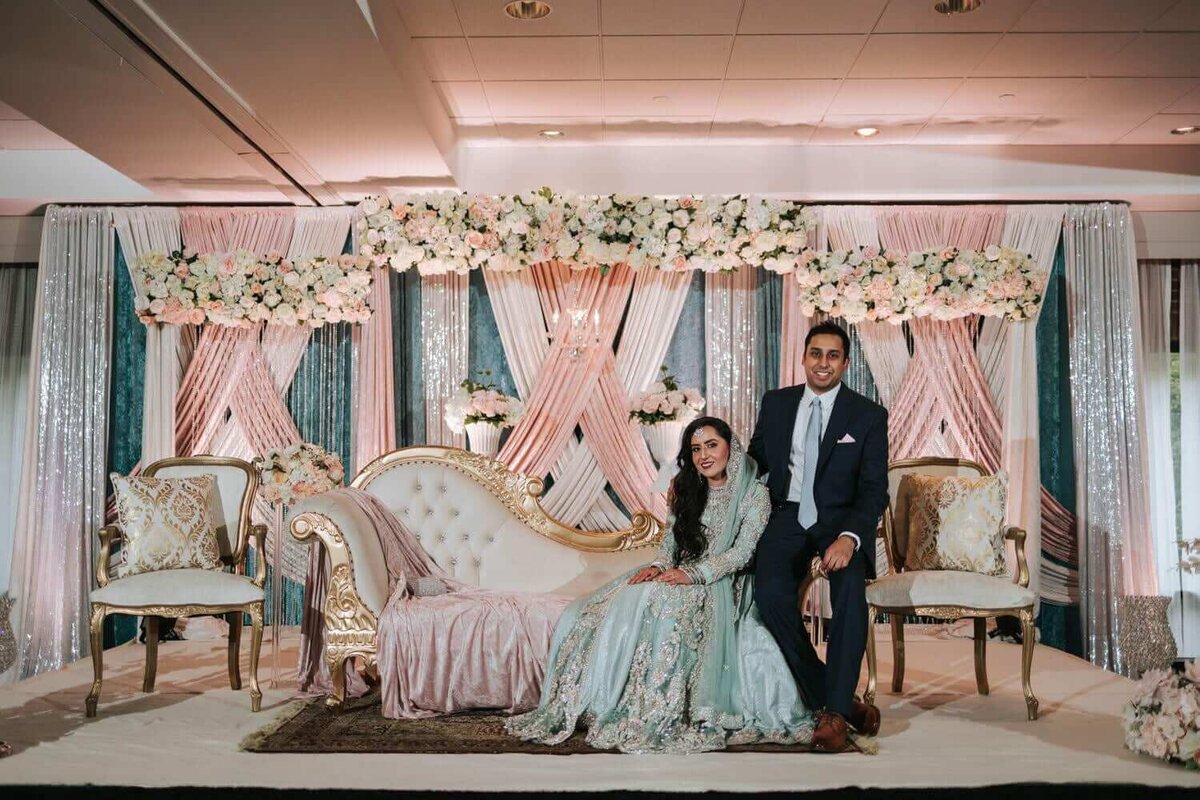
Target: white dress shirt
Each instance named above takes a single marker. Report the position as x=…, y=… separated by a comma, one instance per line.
x=796, y=461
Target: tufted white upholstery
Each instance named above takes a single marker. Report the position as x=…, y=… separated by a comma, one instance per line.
x=179, y=587
x=227, y=500
x=947, y=588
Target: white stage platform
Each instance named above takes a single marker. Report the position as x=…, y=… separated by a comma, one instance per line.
x=938, y=734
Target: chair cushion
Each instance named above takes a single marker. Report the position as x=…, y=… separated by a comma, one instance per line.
x=179, y=587
x=956, y=523
x=947, y=588
x=167, y=523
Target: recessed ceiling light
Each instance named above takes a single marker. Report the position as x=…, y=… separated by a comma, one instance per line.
x=526, y=10
x=956, y=6
x=1185, y=130
x=1006, y=97
x=866, y=133
x=550, y=133
x=660, y=98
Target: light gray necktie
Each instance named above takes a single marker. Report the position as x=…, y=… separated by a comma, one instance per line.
x=812, y=443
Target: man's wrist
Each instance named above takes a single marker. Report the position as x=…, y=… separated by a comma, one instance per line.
x=853, y=537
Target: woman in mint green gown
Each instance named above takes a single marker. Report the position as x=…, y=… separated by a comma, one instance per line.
x=673, y=657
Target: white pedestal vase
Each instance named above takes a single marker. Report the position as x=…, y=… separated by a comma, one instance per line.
x=483, y=438
x=663, y=439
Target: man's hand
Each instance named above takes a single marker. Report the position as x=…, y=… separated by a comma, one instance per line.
x=645, y=574
x=674, y=576
x=838, y=554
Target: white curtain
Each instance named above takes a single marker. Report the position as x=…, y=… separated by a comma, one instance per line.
x=18, y=296
x=61, y=502
x=445, y=337
x=1189, y=444
x=1104, y=322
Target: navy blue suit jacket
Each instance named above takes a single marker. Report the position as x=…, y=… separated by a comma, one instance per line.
x=851, y=484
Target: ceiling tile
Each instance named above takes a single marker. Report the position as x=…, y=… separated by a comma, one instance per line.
x=487, y=18
x=1165, y=54
x=918, y=16
x=922, y=55
x=628, y=57
x=775, y=102
x=1157, y=130
x=1188, y=104
x=1076, y=129
x=447, y=59
x=893, y=129
x=520, y=58
x=817, y=56
x=8, y=112
x=910, y=97
x=809, y=16
x=528, y=131
x=464, y=98
x=558, y=99
x=759, y=133
x=1183, y=16
x=423, y=18
x=1138, y=97
x=668, y=16
x=945, y=129
x=1030, y=95
x=1050, y=55
x=682, y=98
x=25, y=134
x=659, y=130
x=1091, y=15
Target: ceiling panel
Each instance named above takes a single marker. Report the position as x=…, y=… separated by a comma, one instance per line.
x=1188, y=104
x=817, y=56
x=1183, y=16
x=544, y=98
x=519, y=58
x=911, y=97
x=1080, y=129
x=1133, y=96
x=1029, y=95
x=1049, y=55
x=487, y=18
x=656, y=131
x=918, y=16
x=660, y=98
x=627, y=57
x=423, y=18
x=1157, y=130
x=464, y=98
x=947, y=129
x=839, y=129
x=1166, y=54
x=1091, y=15
x=447, y=59
x=669, y=16
x=927, y=55
x=528, y=131
x=775, y=102
x=25, y=134
x=810, y=16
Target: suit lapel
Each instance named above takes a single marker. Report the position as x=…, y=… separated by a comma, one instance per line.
x=838, y=418
x=791, y=408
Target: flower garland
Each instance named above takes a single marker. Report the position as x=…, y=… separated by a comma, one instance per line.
x=666, y=402
x=1162, y=718
x=240, y=289
x=297, y=471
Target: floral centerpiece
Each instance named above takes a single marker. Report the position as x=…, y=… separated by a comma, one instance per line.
x=482, y=410
x=1162, y=719
x=663, y=411
x=297, y=471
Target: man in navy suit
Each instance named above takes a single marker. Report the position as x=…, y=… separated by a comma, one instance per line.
x=824, y=448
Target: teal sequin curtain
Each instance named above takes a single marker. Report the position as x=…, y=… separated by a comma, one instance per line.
x=405, y=290
x=685, y=356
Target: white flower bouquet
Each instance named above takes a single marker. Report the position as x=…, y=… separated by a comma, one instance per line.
x=481, y=402
x=297, y=471
x=666, y=402
x=1162, y=718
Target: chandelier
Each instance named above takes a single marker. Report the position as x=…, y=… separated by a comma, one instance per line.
x=580, y=336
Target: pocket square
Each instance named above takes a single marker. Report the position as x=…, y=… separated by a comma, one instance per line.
x=847, y=439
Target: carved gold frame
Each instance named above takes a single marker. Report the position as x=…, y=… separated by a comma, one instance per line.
x=951, y=613
x=110, y=534
x=350, y=626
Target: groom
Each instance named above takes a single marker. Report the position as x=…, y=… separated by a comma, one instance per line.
x=825, y=450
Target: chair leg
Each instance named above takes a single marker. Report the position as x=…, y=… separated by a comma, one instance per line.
x=872, y=669
x=234, y=618
x=897, y=652
x=151, y=654
x=97, y=637
x=981, y=681
x=337, y=673
x=1027, y=644
x=256, y=632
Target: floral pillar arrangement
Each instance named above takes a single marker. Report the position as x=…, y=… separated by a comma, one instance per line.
x=664, y=411
x=481, y=410
x=289, y=474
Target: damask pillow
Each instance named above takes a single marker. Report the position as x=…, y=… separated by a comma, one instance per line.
x=167, y=523
x=956, y=523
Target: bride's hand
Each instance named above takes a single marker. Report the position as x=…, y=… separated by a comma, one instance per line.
x=674, y=576
x=645, y=574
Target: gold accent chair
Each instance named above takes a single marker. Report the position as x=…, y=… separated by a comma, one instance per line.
x=945, y=594
x=189, y=592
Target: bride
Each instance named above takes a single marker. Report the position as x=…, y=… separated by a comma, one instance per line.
x=674, y=658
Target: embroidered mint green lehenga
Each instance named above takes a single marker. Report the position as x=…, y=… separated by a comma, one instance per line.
x=655, y=667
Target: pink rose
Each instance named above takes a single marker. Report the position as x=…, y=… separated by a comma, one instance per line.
x=182, y=271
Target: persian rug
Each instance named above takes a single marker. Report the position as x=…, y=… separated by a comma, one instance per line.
x=310, y=727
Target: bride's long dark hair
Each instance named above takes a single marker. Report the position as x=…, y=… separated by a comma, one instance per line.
x=689, y=492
